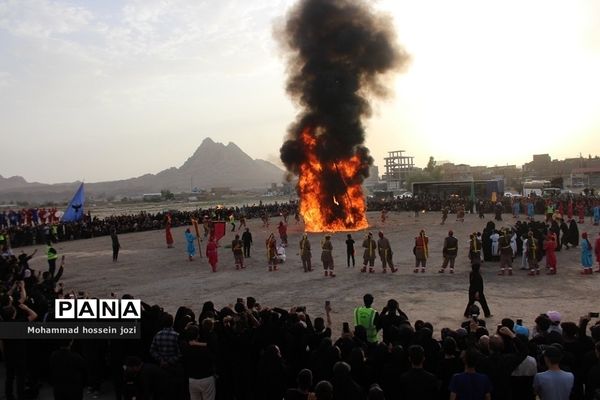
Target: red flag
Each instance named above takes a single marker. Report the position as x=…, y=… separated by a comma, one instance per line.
x=218, y=229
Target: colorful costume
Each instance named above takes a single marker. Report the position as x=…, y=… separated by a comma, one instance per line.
x=385, y=253
x=586, y=255
x=238, y=253
x=326, y=256
x=212, y=254
x=305, y=253
x=191, y=247
x=369, y=254
x=550, y=248
x=168, y=234
x=597, y=250
x=596, y=214
x=271, y=245
x=421, y=251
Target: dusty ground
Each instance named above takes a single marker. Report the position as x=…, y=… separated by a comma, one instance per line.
x=148, y=270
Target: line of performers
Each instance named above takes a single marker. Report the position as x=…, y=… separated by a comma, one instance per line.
x=382, y=247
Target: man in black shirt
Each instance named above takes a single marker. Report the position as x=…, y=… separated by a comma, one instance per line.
x=67, y=373
x=247, y=239
x=350, y=250
x=418, y=383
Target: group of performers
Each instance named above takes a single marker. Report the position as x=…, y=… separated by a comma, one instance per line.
x=503, y=246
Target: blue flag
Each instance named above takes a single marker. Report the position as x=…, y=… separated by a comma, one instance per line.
x=74, y=211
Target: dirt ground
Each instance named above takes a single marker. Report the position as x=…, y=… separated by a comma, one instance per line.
x=150, y=271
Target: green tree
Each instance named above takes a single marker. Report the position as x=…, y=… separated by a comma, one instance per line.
x=167, y=195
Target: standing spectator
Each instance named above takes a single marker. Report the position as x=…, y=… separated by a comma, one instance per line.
x=67, y=373
x=418, y=383
x=367, y=317
x=554, y=384
x=199, y=365
x=470, y=384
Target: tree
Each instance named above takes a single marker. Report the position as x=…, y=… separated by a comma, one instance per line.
x=431, y=164
x=167, y=195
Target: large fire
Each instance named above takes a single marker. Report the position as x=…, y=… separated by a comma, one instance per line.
x=345, y=209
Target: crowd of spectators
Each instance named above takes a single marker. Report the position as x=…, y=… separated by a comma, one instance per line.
x=250, y=351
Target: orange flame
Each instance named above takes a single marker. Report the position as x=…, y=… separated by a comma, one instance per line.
x=345, y=210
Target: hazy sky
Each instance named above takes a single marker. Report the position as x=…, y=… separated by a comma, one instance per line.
x=103, y=89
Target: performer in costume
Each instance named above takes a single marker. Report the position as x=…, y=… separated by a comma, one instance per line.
x=238, y=253
x=550, y=248
x=271, y=245
x=327, y=256
x=474, y=249
x=421, y=251
x=570, y=209
x=305, y=253
x=581, y=212
x=597, y=214
x=168, y=234
x=282, y=229
x=191, y=247
x=530, y=210
x=449, y=252
x=586, y=255
x=385, y=253
x=597, y=250
x=212, y=253
x=532, y=254
x=369, y=254
x=506, y=253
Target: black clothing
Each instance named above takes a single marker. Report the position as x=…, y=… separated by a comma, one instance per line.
x=476, y=286
x=419, y=384
x=67, y=374
x=350, y=251
x=247, y=239
x=197, y=361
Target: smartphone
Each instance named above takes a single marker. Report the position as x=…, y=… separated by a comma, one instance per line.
x=594, y=315
x=346, y=328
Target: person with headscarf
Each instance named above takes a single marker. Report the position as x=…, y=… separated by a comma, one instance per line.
x=369, y=254
x=596, y=213
x=191, y=247
x=305, y=254
x=573, y=233
x=550, y=248
x=586, y=255
x=271, y=245
x=421, y=251
x=385, y=253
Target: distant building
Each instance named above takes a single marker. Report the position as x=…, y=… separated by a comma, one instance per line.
x=373, y=178
x=397, y=169
x=585, y=177
x=480, y=189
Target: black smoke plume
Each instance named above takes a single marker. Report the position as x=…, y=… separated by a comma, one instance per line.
x=338, y=53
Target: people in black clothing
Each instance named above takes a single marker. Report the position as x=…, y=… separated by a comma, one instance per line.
x=116, y=246
x=247, y=240
x=418, y=383
x=349, y=250
x=67, y=373
x=476, y=291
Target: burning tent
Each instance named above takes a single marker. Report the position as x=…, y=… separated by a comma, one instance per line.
x=337, y=53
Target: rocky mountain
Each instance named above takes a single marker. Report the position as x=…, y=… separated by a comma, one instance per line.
x=212, y=165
